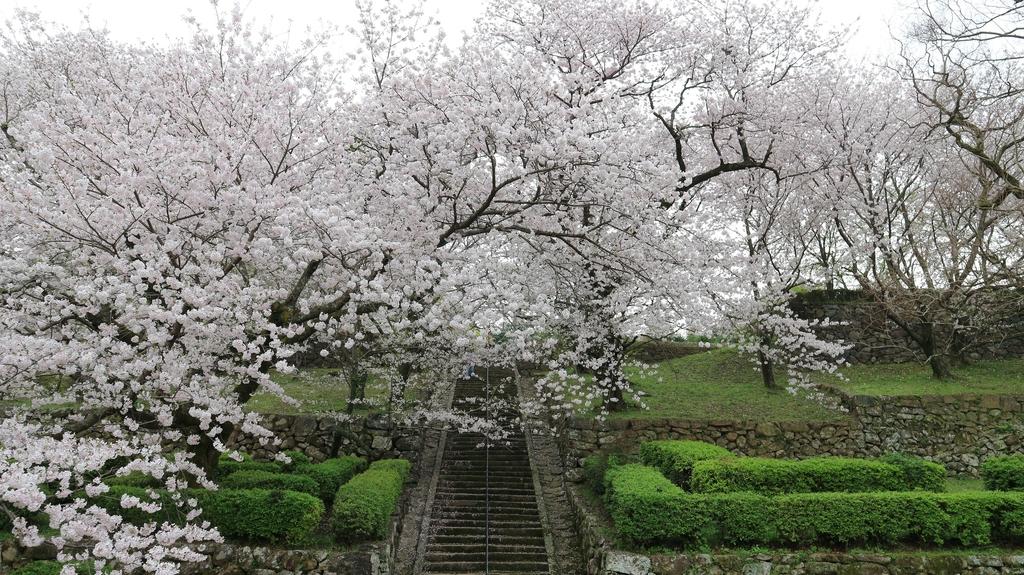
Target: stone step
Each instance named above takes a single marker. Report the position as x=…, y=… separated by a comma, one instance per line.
x=480, y=532
x=442, y=555
x=491, y=567
x=442, y=539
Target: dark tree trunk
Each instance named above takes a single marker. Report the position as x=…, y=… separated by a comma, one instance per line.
x=356, y=388
x=767, y=370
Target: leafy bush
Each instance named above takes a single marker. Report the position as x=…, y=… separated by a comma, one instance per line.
x=262, y=515
x=675, y=458
x=649, y=510
x=227, y=466
x=595, y=467
x=918, y=473
x=774, y=476
x=331, y=474
x=134, y=479
x=1004, y=473
x=363, y=506
x=269, y=480
x=247, y=514
x=298, y=459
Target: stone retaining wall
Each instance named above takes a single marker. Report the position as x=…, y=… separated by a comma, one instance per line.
x=826, y=564
x=957, y=431
x=322, y=436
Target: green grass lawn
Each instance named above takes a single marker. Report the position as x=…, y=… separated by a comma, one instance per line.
x=990, y=377
x=718, y=384
x=722, y=384
x=319, y=389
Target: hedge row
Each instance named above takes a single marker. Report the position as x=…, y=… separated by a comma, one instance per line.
x=246, y=514
x=675, y=458
x=648, y=509
x=268, y=480
x=815, y=475
x=1003, y=473
x=331, y=474
x=363, y=506
x=227, y=466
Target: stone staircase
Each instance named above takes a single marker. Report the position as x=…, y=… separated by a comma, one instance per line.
x=485, y=516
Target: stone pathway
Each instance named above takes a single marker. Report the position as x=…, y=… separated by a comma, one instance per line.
x=484, y=514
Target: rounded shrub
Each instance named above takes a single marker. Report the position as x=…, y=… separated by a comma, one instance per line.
x=675, y=458
x=270, y=480
x=1004, y=473
x=261, y=515
x=363, y=506
x=273, y=516
x=918, y=473
x=331, y=474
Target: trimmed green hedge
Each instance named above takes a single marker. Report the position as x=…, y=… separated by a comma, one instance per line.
x=134, y=479
x=918, y=473
x=298, y=458
x=650, y=510
x=1004, y=473
x=247, y=514
x=227, y=466
x=331, y=474
x=675, y=458
x=363, y=506
x=816, y=475
x=269, y=480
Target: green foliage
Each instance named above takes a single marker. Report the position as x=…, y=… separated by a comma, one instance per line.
x=331, y=474
x=298, y=459
x=918, y=473
x=649, y=510
x=595, y=467
x=39, y=568
x=270, y=480
x=774, y=476
x=675, y=458
x=1005, y=473
x=134, y=479
x=244, y=514
x=262, y=515
x=363, y=506
x=227, y=466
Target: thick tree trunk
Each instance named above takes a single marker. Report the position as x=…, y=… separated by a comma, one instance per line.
x=767, y=370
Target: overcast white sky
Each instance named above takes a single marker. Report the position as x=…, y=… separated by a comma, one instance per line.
x=149, y=19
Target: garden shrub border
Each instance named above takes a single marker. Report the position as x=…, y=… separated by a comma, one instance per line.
x=363, y=505
x=1003, y=473
x=331, y=474
x=648, y=510
x=768, y=476
x=274, y=516
x=675, y=457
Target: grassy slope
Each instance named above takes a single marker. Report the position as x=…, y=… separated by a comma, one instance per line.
x=998, y=377
x=718, y=384
x=319, y=389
